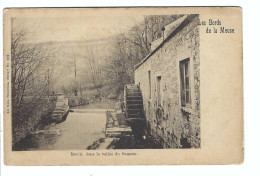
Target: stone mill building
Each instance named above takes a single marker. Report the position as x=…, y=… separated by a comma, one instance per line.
x=169, y=79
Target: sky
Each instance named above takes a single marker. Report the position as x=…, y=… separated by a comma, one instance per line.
x=75, y=28
x=63, y=29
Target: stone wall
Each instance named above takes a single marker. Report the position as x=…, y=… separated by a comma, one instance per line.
x=77, y=101
x=173, y=125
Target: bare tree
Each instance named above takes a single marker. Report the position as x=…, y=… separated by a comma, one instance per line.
x=95, y=70
x=131, y=47
x=32, y=69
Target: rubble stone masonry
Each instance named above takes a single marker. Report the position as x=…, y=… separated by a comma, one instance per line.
x=170, y=123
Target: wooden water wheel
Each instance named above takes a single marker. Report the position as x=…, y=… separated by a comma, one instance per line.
x=134, y=110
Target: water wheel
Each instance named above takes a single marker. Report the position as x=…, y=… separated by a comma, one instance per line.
x=134, y=110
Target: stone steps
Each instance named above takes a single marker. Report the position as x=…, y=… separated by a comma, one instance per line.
x=61, y=109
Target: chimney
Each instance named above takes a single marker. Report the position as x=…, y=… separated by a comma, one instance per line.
x=163, y=29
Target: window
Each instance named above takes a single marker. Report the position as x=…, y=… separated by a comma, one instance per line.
x=159, y=90
x=185, y=82
x=149, y=79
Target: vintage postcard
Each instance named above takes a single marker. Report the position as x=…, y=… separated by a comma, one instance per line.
x=123, y=86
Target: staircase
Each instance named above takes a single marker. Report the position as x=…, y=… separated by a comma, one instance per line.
x=61, y=109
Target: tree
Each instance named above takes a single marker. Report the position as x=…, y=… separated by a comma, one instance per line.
x=129, y=48
x=32, y=70
x=95, y=69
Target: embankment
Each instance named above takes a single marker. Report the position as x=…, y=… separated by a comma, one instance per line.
x=25, y=122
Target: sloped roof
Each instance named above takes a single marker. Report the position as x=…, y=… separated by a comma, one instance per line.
x=170, y=31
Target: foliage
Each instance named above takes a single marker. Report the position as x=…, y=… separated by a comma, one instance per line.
x=129, y=48
x=32, y=68
x=107, y=65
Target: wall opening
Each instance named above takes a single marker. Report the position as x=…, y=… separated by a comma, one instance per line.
x=149, y=82
x=185, y=82
x=159, y=90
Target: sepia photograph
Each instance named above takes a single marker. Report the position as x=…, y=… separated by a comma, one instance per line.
x=123, y=86
x=136, y=86
x=141, y=87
